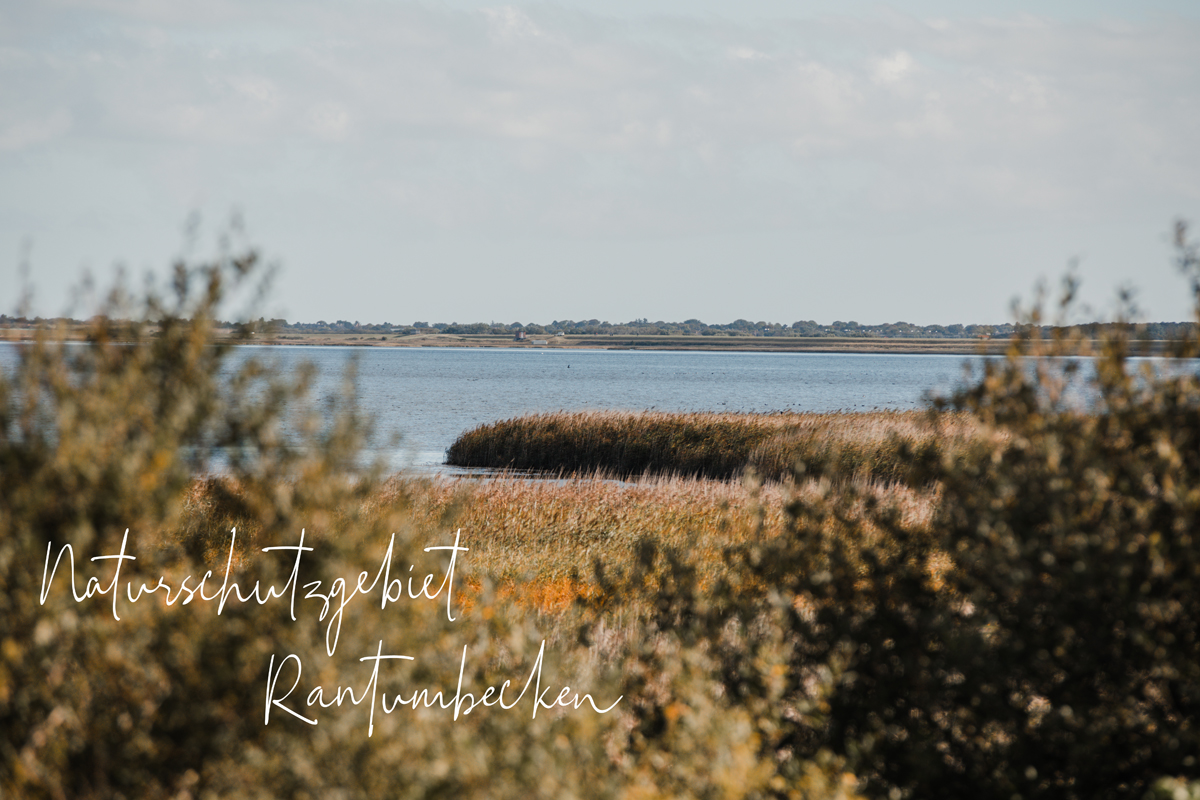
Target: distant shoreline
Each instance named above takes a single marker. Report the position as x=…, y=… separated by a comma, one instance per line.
x=714, y=344
x=738, y=344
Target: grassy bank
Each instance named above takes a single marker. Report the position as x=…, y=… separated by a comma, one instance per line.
x=538, y=541
x=878, y=445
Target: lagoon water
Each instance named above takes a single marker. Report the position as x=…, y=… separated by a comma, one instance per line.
x=428, y=396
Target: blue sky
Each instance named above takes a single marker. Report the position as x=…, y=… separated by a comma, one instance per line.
x=464, y=160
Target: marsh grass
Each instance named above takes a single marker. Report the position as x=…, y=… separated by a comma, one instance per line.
x=538, y=543
x=880, y=445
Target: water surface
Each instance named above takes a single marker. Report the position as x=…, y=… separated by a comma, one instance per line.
x=428, y=396
x=431, y=395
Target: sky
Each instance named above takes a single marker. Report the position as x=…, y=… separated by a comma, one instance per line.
x=462, y=161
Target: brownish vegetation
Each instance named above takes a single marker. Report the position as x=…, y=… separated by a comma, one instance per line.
x=879, y=445
x=536, y=540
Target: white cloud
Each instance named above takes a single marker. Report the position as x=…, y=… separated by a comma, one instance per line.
x=544, y=121
x=746, y=53
x=893, y=68
x=511, y=24
x=261, y=92
x=329, y=121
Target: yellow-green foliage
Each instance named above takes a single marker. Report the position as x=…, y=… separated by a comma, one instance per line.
x=885, y=445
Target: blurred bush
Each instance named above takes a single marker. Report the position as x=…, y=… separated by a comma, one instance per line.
x=1038, y=639
x=151, y=427
x=111, y=435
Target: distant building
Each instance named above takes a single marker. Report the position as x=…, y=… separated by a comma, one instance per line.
x=520, y=337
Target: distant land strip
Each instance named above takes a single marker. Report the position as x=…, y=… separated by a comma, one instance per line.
x=740, y=335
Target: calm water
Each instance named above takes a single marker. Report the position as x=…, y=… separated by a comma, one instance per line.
x=428, y=396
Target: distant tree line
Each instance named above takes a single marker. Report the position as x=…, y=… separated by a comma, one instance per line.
x=739, y=327
x=691, y=327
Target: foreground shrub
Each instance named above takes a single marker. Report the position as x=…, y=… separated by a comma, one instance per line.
x=1038, y=638
x=105, y=438
x=170, y=700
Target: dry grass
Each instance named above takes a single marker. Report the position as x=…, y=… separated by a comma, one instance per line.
x=882, y=445
x=537, y=542
x=520, y=529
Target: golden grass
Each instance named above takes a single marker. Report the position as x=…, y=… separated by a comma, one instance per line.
x=520, y=529
x=536, y=542
x=883, y=445
x=879, y=445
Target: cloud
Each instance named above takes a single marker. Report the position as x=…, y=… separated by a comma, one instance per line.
x=511, y=24
x=544, y=121
x=20, y=133
x=893, y=68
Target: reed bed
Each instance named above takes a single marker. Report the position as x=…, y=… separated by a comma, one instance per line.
x=538, y=542
x=879, y=445
x=522, y=531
